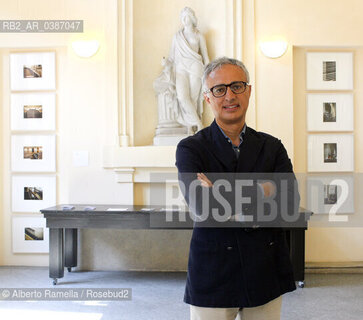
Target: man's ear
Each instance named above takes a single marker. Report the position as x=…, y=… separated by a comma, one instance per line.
x=206, y=98
x=249, y=90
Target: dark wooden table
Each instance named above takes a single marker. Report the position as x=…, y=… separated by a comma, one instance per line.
x=64, y=224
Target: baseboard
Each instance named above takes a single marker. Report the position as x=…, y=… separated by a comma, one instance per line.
x=334, y=267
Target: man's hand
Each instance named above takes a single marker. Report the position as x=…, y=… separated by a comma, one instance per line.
x=204, y=181
x=268, y=189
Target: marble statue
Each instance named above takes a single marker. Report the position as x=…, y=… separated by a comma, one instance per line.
x=189, y=54
x=164, y=87
x=179, y=86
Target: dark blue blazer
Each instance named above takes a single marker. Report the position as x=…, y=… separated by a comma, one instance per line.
x=235, y=267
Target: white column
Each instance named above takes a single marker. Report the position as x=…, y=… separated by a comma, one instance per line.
x=125, y=72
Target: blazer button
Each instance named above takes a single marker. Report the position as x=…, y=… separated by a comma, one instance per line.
x=229, y=248
x=272, y=243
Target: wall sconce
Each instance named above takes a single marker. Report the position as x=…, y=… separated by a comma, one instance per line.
x=273, y=49
x=85, y=48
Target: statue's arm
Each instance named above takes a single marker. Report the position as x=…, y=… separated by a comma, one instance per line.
x=203, y=49
x=172, y=50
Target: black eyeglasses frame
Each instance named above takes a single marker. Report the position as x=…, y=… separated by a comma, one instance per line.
x=245, y=84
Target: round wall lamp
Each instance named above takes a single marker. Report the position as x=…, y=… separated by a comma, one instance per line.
x=273, y=49
x=85, y=48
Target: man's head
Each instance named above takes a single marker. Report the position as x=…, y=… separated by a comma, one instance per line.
x=225, y=85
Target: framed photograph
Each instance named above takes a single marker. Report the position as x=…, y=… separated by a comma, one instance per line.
x=33, y=153
x=32, y=193
x=33, y=111
x=30, y=235
x=330, y=152
x=32, y=71
x=329, y=71
x=330, y=112
x=330, y=194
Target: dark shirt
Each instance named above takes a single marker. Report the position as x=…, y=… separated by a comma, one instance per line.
x=236, y=149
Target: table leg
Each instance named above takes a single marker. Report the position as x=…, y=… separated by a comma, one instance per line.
x=70, y=248
x=297, y=254
x=56, y=254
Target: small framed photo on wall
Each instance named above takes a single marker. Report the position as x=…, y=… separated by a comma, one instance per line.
x=30, y=235
x=329, y=71
x=33, y=153
x=330, y=152
x=330, y=194
x=32, y=193
x=330, y=112
x=33, y=111
x=32, y=71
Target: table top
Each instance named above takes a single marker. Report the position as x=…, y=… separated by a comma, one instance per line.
x=106, y=208
x=136, y=216
x=120, y=209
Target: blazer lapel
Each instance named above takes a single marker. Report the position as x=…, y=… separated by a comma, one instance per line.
x=249, y=151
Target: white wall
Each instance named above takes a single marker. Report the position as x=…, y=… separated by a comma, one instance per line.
x=280, y=85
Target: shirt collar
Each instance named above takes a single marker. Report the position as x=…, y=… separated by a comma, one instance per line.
x=240, y=135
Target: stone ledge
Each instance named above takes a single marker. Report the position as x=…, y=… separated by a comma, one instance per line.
x=139, y=157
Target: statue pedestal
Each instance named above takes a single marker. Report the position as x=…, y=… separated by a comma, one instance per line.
x=168, y=140
x=169, y=133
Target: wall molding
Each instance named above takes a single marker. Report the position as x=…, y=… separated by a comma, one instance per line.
x=134, y=164
x=125, y=73
x=234, y=45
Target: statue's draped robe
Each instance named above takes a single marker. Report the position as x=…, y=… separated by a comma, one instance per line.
x=186, y=60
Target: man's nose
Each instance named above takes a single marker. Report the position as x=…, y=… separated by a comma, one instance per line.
x=229, y=94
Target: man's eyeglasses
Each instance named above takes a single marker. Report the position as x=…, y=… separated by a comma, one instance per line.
x=220, y=90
